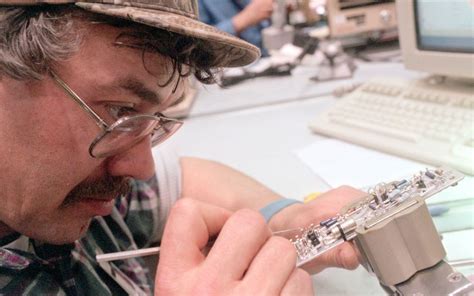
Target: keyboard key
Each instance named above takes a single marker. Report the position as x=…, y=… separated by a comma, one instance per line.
x=390, y=132
x=465, y=150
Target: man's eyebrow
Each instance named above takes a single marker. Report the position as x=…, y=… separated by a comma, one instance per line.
x=181, y=98
x=140, y=90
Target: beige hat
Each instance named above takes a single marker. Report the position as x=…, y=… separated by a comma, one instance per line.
x=178, y=16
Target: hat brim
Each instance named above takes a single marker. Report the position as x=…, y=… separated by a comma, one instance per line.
x=237, y=51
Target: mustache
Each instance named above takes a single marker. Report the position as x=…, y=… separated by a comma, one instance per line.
x=106, y=187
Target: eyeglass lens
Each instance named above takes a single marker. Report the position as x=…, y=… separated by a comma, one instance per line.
x=126, y=133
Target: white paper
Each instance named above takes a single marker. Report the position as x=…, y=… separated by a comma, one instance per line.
x=340, y=163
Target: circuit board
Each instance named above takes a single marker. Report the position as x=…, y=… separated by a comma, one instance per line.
x=383, y=201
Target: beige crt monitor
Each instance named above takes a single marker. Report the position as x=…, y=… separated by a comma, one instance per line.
x=437, y=36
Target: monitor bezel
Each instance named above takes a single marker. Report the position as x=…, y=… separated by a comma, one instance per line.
x=446, y=63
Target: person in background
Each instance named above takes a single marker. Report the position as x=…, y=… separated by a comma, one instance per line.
x=82, y=89
x=242, y=18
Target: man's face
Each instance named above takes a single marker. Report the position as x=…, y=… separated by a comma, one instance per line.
x=51, y=187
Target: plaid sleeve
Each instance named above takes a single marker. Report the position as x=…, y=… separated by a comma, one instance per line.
x=146, y=208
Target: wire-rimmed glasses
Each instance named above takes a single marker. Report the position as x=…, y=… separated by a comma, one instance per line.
x=126, y=131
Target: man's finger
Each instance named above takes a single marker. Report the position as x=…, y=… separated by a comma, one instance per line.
x=344, y=256
x=237, y=244
x=299, y=283
x=272, y=267
x=190, y=225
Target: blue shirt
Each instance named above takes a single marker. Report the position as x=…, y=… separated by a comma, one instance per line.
x=219, y=13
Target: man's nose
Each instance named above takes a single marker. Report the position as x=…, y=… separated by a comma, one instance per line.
x=136, y=162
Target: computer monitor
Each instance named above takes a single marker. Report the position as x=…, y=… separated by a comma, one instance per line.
x=437, y=36
x=358, y=17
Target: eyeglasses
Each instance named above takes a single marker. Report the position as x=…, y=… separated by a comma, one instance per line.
x=126, y=131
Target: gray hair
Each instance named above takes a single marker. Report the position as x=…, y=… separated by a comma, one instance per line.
x=32, y=40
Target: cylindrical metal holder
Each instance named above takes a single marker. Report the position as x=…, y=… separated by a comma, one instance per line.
x=398, y=247
x=279, y=33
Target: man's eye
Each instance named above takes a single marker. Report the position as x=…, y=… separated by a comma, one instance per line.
x=120, y=111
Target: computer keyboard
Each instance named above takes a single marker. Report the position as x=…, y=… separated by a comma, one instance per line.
x=433, y=124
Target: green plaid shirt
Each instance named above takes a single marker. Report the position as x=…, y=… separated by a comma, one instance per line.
x=42, y=269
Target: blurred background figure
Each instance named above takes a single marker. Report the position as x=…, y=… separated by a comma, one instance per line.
x=242, y=18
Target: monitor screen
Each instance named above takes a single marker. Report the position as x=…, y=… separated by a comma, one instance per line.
x=437, y=36
x=445, y=25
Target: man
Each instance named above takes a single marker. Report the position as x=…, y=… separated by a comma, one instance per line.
x=242, y=18
x=82, y=86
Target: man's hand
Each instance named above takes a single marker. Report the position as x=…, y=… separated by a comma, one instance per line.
x=255, y=12
x=324, y=206
x=244, y=260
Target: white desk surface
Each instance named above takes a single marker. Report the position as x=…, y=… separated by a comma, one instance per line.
x=265, y=91
x=255, y=127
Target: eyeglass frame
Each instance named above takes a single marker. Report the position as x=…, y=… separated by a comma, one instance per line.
x=106, y=129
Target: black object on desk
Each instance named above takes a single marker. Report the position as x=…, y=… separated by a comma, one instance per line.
x=278, y=70
x=283, y=69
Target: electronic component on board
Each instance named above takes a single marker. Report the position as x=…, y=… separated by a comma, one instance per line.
x=383, y=201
